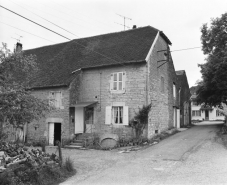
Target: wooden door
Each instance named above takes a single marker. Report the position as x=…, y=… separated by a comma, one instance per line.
x=79, y=120
x=51, y=134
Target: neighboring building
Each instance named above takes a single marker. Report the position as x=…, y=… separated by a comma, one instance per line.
x=184, y=101
x=98, y=83
x=203, y=112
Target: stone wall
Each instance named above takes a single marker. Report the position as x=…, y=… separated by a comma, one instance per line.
x=95, y=86
x=38, y=130
x=160, y=65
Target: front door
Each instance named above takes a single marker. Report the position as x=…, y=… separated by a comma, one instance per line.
x=51, y=133
x=79, y=120
x=57, y=133
x=206, y=115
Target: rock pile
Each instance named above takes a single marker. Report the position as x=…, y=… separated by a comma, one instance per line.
x=13, y=154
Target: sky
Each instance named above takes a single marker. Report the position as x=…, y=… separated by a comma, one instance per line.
x=180, y=20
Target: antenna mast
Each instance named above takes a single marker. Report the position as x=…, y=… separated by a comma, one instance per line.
x=124, y=20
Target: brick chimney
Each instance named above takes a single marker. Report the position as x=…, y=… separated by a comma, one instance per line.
x=18, y=47
x=134, y=27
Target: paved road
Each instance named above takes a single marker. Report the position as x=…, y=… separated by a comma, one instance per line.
x=193, y=156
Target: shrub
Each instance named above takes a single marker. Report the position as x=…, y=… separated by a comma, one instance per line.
x=69, y=164
x=140, y=120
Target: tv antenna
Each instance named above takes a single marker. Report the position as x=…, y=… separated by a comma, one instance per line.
x=18, y=39
x=124, y=21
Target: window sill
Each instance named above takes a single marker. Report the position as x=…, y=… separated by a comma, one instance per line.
x=117, y=91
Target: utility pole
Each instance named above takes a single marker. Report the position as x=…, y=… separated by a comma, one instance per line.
x=124, y=20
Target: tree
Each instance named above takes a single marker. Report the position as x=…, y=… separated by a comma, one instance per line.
x=17, y=105
x=212, y=90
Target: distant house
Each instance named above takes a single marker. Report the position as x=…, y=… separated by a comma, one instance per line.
x=184, y=98
x=203, y=112
x=98, y=83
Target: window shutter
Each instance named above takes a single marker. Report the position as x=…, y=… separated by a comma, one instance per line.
x=111, y=82
x=123, y=81
x=125, y=114
x=108, y=115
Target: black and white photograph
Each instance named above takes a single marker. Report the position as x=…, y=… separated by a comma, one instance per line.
x=113, y=92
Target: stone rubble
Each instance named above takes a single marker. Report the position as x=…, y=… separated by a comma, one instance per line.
x=13, y=154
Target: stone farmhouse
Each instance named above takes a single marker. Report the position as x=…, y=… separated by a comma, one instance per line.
x=98, y=83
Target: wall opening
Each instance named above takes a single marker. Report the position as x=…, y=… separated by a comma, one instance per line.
x=57, y=133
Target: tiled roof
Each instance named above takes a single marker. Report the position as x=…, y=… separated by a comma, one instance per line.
x=57, y=62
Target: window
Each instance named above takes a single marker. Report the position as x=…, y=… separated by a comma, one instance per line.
x=196, y=113
x=162, y=84
x=117, y=82
x=55, y=99
x=218, y=113
x=117, y=114
x=174, y=90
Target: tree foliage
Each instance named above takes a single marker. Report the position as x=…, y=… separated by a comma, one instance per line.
x=17, y=105
x=212, y=89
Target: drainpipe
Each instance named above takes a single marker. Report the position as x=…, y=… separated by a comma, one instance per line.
x=179, y=101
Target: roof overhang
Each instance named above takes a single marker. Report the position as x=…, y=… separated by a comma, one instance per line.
x=206, y=108
x=84, y=104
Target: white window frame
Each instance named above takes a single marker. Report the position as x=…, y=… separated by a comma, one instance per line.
x=117, y=82
x=196, y=113
x=54, y=101
x=109, y=119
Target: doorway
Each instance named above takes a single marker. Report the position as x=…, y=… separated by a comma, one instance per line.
x=54, y=133
x=206, y=115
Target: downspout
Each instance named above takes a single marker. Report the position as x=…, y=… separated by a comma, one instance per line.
x=179, y=104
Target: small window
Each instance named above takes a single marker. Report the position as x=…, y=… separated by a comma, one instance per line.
x=55, y=99
x=117, y=115
x=117, y=82
x=162, y=84
x=196, y=113
x=174, y=90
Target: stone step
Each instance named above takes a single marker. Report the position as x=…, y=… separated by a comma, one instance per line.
x=72, y=147
x=77, y=143
x=84, y=136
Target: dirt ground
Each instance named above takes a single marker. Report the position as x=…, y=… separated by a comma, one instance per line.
x=194, y=156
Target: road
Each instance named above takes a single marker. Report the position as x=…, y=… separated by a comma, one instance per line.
x=194, y=156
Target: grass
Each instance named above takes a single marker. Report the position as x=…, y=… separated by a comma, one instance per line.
x=68, y=165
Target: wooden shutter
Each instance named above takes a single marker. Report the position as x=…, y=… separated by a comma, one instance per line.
x=123, y=81
x=111, y=82
x=125, y=115
x=108, y=115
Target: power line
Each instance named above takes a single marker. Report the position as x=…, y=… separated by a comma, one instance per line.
x=45, y=19
x=186, y=49
x=83, y=14
x=62, y=35
x=26, y=32
x=34, y=22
